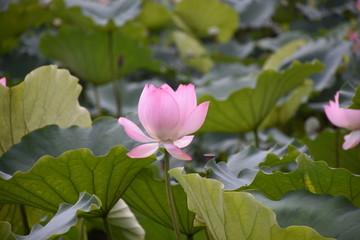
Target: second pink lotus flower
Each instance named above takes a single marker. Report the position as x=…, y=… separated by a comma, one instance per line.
x=3, y=81
x=345, y=118
x=168, y=117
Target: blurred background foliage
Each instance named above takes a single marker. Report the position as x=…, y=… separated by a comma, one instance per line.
x=268, y=66
x=114, y=47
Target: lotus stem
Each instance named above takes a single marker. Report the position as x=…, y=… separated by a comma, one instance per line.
x=337, y=148
x=82, y=229
x=107, y=228
x=256, y=135
x=208, y=235
x=170, y=196
x=97, y=101
x=117, y=94
x=24, y=220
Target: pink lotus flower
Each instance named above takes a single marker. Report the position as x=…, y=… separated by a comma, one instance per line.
x=3, y=81
x=168, y=117
x=345, y=118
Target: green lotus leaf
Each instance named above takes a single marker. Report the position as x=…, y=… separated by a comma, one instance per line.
x=151, y=20
x=246, y=109
x=31, y=15
x=12, y=213
x=54, y=141
x=147, y=195
x=315, y=177
x=5, y=231
x=234, y=215
x=52, y=181
x=242, y=167
x=65, y=218
x=48, y=95
x=283, y=112
x=207, y=18
x=157, y=231
x=87, y=53
x=331, y=216
x=192, y=52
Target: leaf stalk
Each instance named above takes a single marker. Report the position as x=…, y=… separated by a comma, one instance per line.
x=170, y=196
x=24, y=220
x=107, y=228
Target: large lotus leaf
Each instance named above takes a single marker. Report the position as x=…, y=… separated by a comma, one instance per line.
x=327, y=147
x=315, y=177
x=333, y=217
x=192, y=52
x=5, y=231
x=245, y=109
x=12, y=213
x=207, y=18
x=154, y=15
x=87, y=54
x=330, y=52
x=287, y=109
x=157, y=231
x=134, y=30
x=54, y=141
x=147, y=195
x=31, y=15
x=48, y=95
x=234, y=215
x=65, y=218
x=52, y=181
x=69, y=16
x=119, y=11
x=242, y=167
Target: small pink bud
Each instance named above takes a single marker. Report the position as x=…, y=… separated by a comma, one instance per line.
x=3, y=81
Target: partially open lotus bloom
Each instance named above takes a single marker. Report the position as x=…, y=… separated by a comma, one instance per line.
x=168, y=117
x=3, y=81
x=345, y=118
